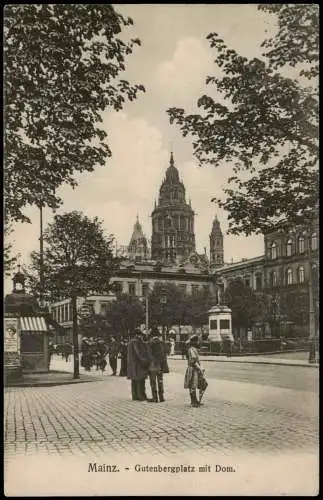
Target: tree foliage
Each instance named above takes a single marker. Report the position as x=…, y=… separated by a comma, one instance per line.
x=63, y=65
x=197, y=307
x=9, y=260
x=125, y=314
x=244, y=303
x=264, y=123
x=78, y=258
x=166, y=305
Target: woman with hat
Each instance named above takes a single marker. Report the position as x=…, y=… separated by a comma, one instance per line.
x=193, y=370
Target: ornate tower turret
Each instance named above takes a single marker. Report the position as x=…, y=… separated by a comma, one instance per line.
x=138, y=246
x=173, y=236
x=216, y=244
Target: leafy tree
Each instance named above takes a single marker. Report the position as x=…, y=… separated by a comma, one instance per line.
x=244, y=304
x=95, y=325
x=9, y=260
x=197, y=307
x=63, y=65
x=167, y=305
x=125, y=314
x=78, y=261
x=264, y=123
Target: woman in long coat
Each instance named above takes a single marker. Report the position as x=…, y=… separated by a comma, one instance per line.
x=193, y=370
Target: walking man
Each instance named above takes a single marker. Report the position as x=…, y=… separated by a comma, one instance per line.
x=137, y=366
x=157, y=367
x=113, y=355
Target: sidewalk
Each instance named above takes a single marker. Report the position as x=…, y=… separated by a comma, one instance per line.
x=254, y=359
x=52, y=378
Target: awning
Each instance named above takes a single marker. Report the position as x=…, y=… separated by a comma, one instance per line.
x=34, y=324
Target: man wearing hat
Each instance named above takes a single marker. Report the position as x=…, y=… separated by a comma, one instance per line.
x=157, y=367
x=137, y=366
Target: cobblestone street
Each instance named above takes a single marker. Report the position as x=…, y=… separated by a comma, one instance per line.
x=98, y=419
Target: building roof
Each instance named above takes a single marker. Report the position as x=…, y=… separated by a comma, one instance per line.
x=239, y=265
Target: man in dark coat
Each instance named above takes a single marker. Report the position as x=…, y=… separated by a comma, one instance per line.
x=157, y=367
x=113, y=355
x=123, y=356
x=137, y=366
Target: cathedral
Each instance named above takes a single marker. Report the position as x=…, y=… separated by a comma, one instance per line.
x=173, y=237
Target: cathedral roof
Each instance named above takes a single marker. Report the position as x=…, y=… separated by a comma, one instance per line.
x=172, y=175
x=216, y=228
x=137, y=234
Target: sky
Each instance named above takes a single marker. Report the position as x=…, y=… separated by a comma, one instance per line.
x=172, y=63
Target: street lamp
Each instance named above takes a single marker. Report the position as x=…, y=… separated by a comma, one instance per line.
x=163, y=302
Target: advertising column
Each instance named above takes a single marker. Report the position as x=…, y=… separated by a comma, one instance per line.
x=11, y=345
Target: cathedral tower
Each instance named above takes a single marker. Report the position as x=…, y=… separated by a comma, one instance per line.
x=138, y=246
x=173, y=236
x=216, y=244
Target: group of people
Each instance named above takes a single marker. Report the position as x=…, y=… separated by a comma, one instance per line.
x=147, y=358
x=94, y=354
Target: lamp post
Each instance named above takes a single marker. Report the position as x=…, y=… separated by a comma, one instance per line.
x=163, y=302
x=41, y=256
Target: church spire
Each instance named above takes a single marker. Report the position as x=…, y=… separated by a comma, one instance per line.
x=171, y=162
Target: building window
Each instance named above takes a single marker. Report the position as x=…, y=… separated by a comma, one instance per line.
x=213, y=324
x=195, y=290
x=145, y=289
x=301, y=244
x=247, y=282
x=289, y=276
x=314, y=241
x=289, y=248
x=301, y=274
x=258, y=281
x=315, y=274
x=132, y=289
x=104, y=308
x=183, y=288
x=224, y=324
x=273, y=250
x=273, y=278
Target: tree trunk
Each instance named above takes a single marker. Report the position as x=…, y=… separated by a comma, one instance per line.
x=76, y=373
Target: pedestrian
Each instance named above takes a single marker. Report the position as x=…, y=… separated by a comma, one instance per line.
x=113, y=355
x=183, y=349
x=193, y=372
x=123, y=351
x=172, y=347
x=137, y=366
x=157, y=367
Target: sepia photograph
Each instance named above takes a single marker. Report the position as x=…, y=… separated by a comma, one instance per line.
x=161, y=250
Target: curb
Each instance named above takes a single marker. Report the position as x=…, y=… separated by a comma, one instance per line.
x=48, y=384
x=309, y=365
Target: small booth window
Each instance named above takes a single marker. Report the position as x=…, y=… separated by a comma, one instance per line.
x=224, y=324
x=213, y=324
x=32, y=343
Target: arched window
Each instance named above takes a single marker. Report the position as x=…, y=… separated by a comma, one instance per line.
x=289, y=248
x=315, y=274
x=273, y=278
x=301, y=274
x=274, y=250
x=289, y=276
x=314, y=241
x=301, y=244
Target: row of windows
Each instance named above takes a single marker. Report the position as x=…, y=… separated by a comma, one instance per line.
x=290, y=246
x=182, y=287
x=290, y=279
